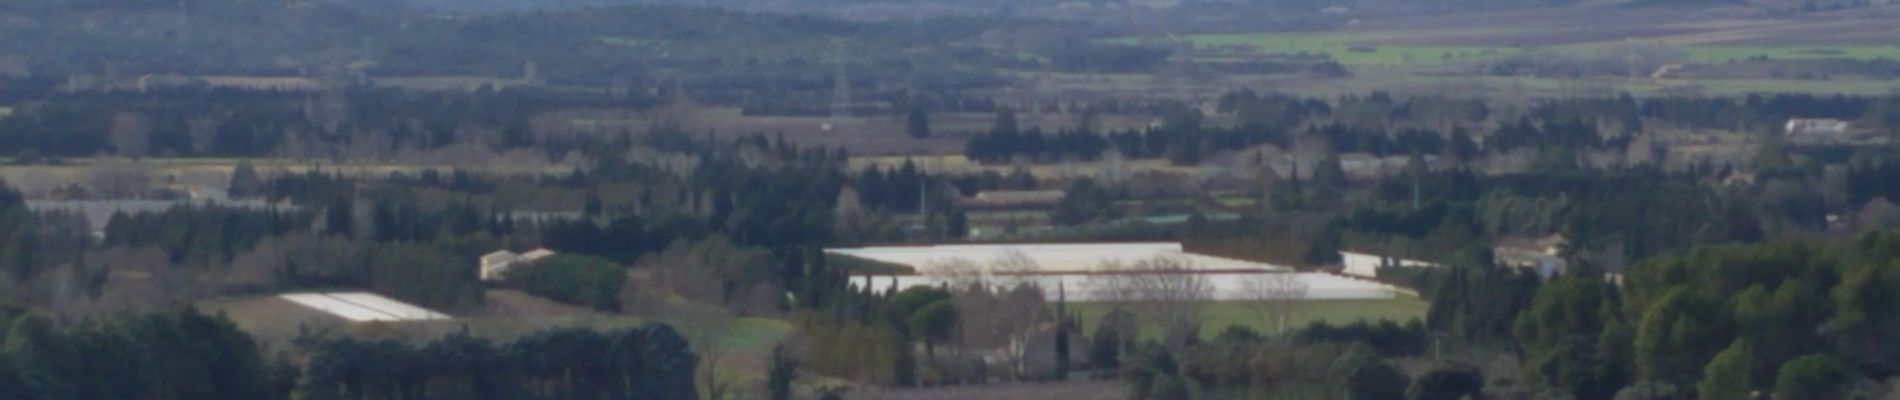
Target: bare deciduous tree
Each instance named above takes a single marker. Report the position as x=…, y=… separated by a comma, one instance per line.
x=1166, y=289
x=960, y=273
x=131, y=134
x=1012, y=268
x=120, y=179
x=704, y=328
x=1275, y=296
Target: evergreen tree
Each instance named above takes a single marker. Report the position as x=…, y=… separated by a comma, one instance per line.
x=1727, y=376
x=917, y=124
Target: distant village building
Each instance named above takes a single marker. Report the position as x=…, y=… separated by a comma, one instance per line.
x=284, y=84
x=1540, y=255
x=6, y=112
x=495, y=266
x=1367, y=265
x=1014, y=199
x=1811, y=127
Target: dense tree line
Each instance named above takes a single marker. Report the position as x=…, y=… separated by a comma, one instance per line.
x=645, y=47
x=1793, y=319
x=184, y=354
x=572, y=279
x=203, y=236
x=17, y=232
x=234, y=122
x=649, y=362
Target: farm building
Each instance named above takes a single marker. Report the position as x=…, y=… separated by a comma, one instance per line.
x=1815, y=126
x=494, y=266
x=363, y=307
x=1540, y=254
x=1082, y=270
x=1367, y=265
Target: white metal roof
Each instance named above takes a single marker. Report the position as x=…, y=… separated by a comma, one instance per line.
x=1227, y=286
x=1048, y=258
x=363, y=306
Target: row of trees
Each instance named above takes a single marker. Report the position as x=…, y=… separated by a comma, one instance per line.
x=1799, y=320
x=648, y=362
x=184, y=354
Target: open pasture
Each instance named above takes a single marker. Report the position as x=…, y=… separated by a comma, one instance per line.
x=1354, y=48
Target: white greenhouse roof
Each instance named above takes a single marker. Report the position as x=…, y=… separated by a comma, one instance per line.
x=1226, y=286
x=363, y=306
x=1076, y=269
x=1048, y=258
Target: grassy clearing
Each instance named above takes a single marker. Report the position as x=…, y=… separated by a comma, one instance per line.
x=1220, y=315
x=753, y=334
x=1726, y=53
x=1352, y=48
x=1417, y=48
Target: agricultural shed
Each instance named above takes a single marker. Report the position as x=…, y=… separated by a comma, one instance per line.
x=1367, y=265
x=363, y=307
x=1080, y=271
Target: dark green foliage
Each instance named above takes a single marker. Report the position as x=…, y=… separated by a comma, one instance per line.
x=18, y=238
x=1377, y=381
x=580, y=280
x=466, y=367
x=245, y=182
x=1105, y=58
x=565, y=363
x=1812, y=377
x=1084, y=201
x=1676, y=337
x=1727, y=376
x=1152, y=373
x=1114, y=336
x=201, y=236
x=1574, y=337
x=426, y=275
x=1388, y=338
x=1448, y=382
x=651, y=362
x=917, y=123
x=923, y=313
x=1329, y=181
x=933, y=323
x=174, y=355
x=1478, y=301
x=781, y=369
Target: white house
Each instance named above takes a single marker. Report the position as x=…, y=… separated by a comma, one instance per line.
x=495, y=266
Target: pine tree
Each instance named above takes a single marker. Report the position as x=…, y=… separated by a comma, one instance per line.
x=918, y=123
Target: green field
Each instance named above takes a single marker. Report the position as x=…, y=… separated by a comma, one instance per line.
x=1353, y=49
x=1379, y=48
x=1220, y=315
x=1724, y=53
